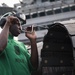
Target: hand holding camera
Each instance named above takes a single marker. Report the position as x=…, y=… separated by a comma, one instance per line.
x=29, y=29
x=30, y=33
x=10, y=20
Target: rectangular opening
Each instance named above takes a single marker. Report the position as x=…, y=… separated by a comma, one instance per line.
x=28, y=16
x=41, y=14
x=66, y=9
x=72, y=8
x=49, y=12
x=34, y=15
x=44, y=0
x=57, y=11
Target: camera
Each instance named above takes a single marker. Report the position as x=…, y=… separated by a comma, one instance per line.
x=20, y=16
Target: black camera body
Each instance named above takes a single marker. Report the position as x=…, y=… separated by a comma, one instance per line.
x=18, y=15
x=2, y=22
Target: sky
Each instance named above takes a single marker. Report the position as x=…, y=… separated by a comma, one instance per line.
x=9, y=2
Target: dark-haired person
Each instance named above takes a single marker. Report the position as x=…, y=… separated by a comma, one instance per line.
x=14, y=57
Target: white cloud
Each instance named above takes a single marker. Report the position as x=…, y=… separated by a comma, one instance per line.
x=9, y=2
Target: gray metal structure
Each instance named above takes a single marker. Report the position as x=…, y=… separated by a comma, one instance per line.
x=42, y=13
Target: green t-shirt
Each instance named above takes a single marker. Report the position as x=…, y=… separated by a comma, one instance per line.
x=15, y=59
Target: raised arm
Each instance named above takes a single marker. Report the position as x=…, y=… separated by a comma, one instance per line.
x=34, y=52
x=5, y=32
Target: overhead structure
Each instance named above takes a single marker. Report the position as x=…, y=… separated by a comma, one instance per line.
x=42, y=13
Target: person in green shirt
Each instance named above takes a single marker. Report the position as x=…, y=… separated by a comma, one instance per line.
x=14, y=57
